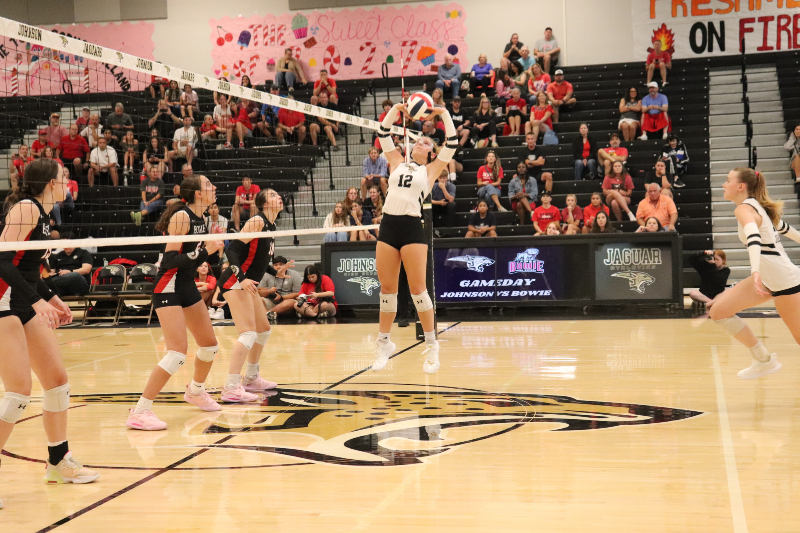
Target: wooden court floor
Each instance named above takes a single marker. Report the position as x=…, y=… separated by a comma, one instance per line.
x=551, y=426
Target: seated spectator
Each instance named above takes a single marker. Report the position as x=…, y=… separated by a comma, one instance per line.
x=541, y=116
x=223, y=118
x=583, y=150
x=164, y=120
x=62, y=208
x=184, y=141
x=338, y=218
x=176, y=194
x=242, y=120
x=523, y=192
x=159, y=84
x=546, y=50
x=560, y=94
x=482, y=223
x=658, y=58
x=56, y=132
x=590, y=211
x=448, y=78
x=118, y=122
x=535, y=162
x=208, y=129
x=18, y=164
x=430, y=130
x=657, y=205
x=215, y=222
x=520, y=77
x=280, y=290
x=571, y=216
x=511, y=52
x=544, y=214
x=244, y=202
x=173, y=98
x=654, y=112
x=676, y=157
x=350, y=198
x=659, y=175
x=443, y=201
x=490, y=175
x=713, y=269
x=152, y=190
x=651, y=225
x=83, y=120
x=206, y=283
x=617, y=188
x=373, y=207
x=50, y=153
x=481, y=76
x=103, y=163
x=326, y=84
x=267, y=120
x=69, y=271
x=538, y=80
x=526, y=60
x=186, y=170
x=188, y=101
x=317, y=295
x=156, y=153
x=291, y=124
x=438, y=97
x=358, y=218
x=484, y=125
x=130, y=151
x=328, y=126
x=602, y=224
x=93, y=131
x=219, y=307
x=630, y=109
x=462, y=125
x=288, y=71
x=611, y=153
x=516, y=112
x=792, y=145
x=74, y=150
x=375, y=171
x=38, y=146
x=553, y=228
x=245, y=81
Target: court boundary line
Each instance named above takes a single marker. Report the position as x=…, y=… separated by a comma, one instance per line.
x=199, y=452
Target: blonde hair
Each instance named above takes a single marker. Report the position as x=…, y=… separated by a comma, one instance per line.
x=757, y=188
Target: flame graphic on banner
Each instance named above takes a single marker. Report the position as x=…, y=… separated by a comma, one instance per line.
x=666, y=37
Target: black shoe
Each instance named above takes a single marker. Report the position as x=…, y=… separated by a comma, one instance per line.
x=678, y=183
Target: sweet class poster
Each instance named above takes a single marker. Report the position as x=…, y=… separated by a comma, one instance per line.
x=349, y=43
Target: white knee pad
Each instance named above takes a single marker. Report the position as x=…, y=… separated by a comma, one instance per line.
x=207, y=353
x=56, y=399
x=172, y=361
x=247, y=339
x=733, y=325
x=263, y=337
x=12, y=405
x=388, y=302
x=422, y=301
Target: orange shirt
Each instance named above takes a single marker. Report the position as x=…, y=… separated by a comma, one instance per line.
x=662, y=210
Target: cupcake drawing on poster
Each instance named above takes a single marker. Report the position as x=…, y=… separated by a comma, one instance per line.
x=300, y=26
x=426, y=55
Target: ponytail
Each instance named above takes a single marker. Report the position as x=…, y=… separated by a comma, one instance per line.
x=36, y=177
x=189, y=186
x=757, y=188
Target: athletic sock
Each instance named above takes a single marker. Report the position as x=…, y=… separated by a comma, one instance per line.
x=196, y=388
x=430, y=337
x=759, y=352
x=143, y=405
x=383, y=337
x=252, y=371
x=56, y=451
x=234, y=380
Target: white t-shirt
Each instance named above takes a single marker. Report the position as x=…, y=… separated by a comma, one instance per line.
x=222, y=116
x=181, y=134
x=103, y=157
x=87, y=132
x=408, y=187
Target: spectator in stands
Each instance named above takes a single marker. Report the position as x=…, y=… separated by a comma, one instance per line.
x=215, y=222
x=280, y=290
x=373, y=207
x=130, y=151
x=602, y=224
x=244, y=202
x=111, y=142
x=613, y=152
x=70, y=270
x=289, y=70
x=526, y=60
x=462, y=125
x=659, y=175
x=291, y=124
x=241, y=122
x=658, y=58
x=792, y=145
x=74, y=150
x=336, y=219
x=583, y=150
x=651, y=225
x=535, y=162
x=516, y=112
x=490, y=176
x=328, y=126
x=188, y=101
x=438, y=97
x=350, y=198
x=657, y=205
x=481, y=76
x=326, y=84
x=50, y=153
x=173, y=98
x=119, y=121
x=152, y=190
x=375, y=172
x=449, y=76
x=65, y=207
x=676, y=157
x=39, y=144
x=18, y=164
x=245, y=81
x=713, y=269
x=502, y=85
x=93, y=131
x=544, y=214
x=208, y=129
x=520, y=77
x=56, y=132
x=317, y=295
x=546, y=50
x=83, y=120
x=540, y=117
x=186, y=170
x=553, y=228
x=511, y=52
x=560, y=94
x=164, y=120
x=443, y=201
x=617, y=188
x=359, y=218
x=523, y=192
x=176, y=194
x=590, y=211
x=538, y=80
x=223, y=118
x=218, y=309
x=205, y=282
x=571, y=216
x=484, y=124
x=156, y=153
x=159, y=84
x=654, y=112
x=630, y=109
x=482, y=222
x=430, y=130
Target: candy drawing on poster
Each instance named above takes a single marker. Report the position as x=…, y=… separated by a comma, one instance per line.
x=349, y=43
x=30, y=69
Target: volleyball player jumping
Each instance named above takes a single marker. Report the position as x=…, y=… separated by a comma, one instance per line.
x=772, y=273
x=401, y=237
x=29, y=312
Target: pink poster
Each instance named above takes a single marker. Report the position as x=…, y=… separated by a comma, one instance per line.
x=349, y=43
x=27, y=69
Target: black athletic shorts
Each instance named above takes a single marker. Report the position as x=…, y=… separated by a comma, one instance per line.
x=787, y=292
x=175, y=290
x=25, y=314
x=399, y=230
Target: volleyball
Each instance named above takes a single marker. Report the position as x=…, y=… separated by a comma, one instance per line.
x=419, y=104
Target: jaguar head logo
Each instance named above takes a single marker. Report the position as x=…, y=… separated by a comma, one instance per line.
x=366, y=284
x=476, y=263
x=637, y=281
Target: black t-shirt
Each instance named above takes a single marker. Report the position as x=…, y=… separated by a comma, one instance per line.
x=533, y=155
x=712, y=279
x=437, y=136
x=652, y=178
x=476, y=220
x=513, y=56
x=458, y=118
x=73, y=261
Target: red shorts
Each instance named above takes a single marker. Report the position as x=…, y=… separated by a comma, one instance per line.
x=654, y=122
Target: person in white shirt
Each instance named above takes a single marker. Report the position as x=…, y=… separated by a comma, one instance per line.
x=184, y=140
x=93, y=131
x=224, y=118
x=103, y=162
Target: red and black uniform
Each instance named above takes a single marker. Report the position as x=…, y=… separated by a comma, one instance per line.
x=248, y=261
x=21, y=284
x=175, y=279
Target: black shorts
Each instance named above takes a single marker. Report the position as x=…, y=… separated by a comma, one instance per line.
x=228, y=280
x=178, y=292
x=25, y=314
x=399, y=230
x=787, y=292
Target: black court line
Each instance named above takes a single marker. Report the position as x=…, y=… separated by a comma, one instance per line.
x=197, y=453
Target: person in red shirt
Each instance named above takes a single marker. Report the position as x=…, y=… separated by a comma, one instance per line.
x=39, y=144
x=18, y=164
x=544, y=214
x=541, y=115
x=317, y=298
x=560, y=94
x=490, y=175
x=591, y=210
x=617, y=188
x=328, y=85
x=242, y=122
x=59, y=208
x=74, y=149
x=516, y=111
x=55, y=132
x=205, y=282
x=613, y=152
x=658, y=58
x=571, y=216
x=244, y=201
x=291, y=123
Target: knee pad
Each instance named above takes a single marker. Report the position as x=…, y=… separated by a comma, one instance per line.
x=422, y=301
x=56, y=399
x=207, y=353
x=247, y=339
x=12, y=405
x=263, y=337
x=388, y=302
x=732, y=325
x=172, y=361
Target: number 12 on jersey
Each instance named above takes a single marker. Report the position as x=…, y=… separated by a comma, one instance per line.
x=405, y=180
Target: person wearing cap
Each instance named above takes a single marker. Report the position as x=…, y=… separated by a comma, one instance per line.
x=280, y=290
x=83, y=120
x=38, y=146
x=676, y=158
x=654, y=112
x=55, y=132
x=546, y=50
x=560, y=93
x=545, y=214
x=613, y=152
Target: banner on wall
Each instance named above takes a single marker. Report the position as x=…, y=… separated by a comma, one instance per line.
x=349, y=43
x=30, y=69
x=698, y=28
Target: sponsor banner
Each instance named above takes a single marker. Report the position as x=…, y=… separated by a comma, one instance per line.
x=696, y=28
x=624, y=271
x=354, y=276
